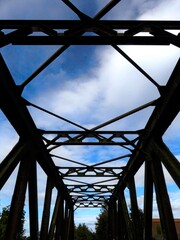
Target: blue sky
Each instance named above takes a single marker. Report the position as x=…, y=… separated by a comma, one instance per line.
x=90, y=85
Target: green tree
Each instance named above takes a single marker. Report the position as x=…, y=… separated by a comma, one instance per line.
x=102, y=225
x=3, y=223
x=82, y=232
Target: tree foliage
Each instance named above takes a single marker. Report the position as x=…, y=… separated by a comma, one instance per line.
x=102, y=226
x=83, y=232
x=140, y=223
x=3, y=223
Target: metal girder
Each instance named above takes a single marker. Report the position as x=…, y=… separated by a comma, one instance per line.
x=90, y=171
x=163, y=201
x=66, y=24
x=17, y=113
x=33, y=200
x=114, y=32
x=18, y=198
x=159, y=121
x=10, y=162
x=99, y=138
x=74, y=185
x=148, y=200
x=46, y=210
x=91, y=40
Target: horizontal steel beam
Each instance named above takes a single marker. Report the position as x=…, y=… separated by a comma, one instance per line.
x=66, y=24
x=90, y=133
x=88, y=40
x=97, y=143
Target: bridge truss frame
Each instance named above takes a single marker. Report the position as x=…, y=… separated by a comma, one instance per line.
x=34, y=146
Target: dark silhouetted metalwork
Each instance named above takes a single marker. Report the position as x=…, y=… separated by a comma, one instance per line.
x=142, y=147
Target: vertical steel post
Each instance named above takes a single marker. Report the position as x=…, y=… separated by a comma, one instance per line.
x=46, y=210
x=169, y=160
x=62, y=218
x=54, y=217
x=110, y=222
x=121, y=222
x=148, y=200
x=60, y=222
x=69, y=227
x=128, y=223
x=114, y=221
x=17, y=203
x=33, y=202
x=137, y=225
x=72, y=224
x=66, y=221
x=164, y=206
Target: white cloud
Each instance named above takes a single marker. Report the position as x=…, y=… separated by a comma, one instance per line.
x=175, y=204
x=87, y=216
x=139, y=177
x=174, y=199
x=164, y=10
x=114, y=87
x=146, y=10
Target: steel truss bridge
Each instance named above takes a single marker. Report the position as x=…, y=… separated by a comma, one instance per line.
x=71, y=178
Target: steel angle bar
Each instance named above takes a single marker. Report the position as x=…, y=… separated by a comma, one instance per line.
x=174, y=39
x=10, y=162
x=112, y=160
x=93, y=143
x=54, y=216
x=113, y=24
x=59, y=231
x=85, y=175
x=90, y=168
x=157, y=124
x=33, y=200
x=91, y=133
x=18, y=199
x=46, y=210
x=137, y=223
x=90, y=40
x=163, y=201
x=43, y=66
x=69, y=160
x=152, y=103
x=15, y=110
x=21, y=32
x=129, y=232
x=148, y=200
x=98, y=16
x=169, y=160
x=118, y=49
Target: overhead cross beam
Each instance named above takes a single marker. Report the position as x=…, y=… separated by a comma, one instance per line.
x=54, y=32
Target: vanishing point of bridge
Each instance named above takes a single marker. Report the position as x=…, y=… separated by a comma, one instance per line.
x=103, y=183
